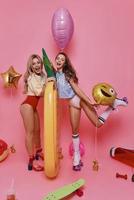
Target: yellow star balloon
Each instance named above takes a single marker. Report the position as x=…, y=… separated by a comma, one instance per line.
x=11, y=77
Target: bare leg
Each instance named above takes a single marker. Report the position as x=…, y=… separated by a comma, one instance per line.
x=27, y=114
x=37, y=141
x=75, y=114
x=30, y=119
x=91, y=114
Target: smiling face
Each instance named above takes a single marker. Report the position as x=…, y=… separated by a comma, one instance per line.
x=36, y=66
x=104, y=94
x=60, y=61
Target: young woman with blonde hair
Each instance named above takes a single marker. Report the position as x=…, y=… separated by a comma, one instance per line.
x=34, y=84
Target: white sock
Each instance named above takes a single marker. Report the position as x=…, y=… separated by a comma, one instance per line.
x=76, y=159
x=117, y=102
x=76, y=144
x=103, y=117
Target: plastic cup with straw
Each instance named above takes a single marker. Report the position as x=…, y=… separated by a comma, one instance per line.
x=11, y=192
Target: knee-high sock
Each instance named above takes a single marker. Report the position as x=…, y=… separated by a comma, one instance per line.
x=117, y=102
x=76, y=144
x=103, y=117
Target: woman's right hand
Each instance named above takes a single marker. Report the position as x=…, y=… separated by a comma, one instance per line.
x=97, y=106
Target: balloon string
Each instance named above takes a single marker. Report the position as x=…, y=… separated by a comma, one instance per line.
x=96, y=142
x=11, y=92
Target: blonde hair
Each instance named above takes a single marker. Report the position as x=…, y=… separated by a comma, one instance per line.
x=29, y=70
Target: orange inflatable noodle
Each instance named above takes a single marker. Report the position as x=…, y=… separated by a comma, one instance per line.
x=123, y=155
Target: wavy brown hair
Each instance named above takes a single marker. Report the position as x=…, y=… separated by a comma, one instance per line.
x=68, y=69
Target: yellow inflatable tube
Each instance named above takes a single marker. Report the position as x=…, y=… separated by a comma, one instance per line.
x=51, y=146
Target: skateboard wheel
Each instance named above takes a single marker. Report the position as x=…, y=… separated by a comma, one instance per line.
x=79, y=192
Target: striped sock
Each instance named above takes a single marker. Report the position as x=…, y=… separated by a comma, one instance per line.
x=103, y=117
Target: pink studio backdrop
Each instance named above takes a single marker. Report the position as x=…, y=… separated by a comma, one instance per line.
x=101, y=49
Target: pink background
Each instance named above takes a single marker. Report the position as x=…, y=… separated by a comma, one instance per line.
x=101, y=49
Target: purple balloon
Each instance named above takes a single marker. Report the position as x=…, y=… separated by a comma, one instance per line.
x=62, y=27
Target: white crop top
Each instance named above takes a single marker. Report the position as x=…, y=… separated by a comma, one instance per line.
x=35, y=84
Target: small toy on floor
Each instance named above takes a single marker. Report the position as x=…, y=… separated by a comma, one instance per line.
x=95, y=165
x=121, y=176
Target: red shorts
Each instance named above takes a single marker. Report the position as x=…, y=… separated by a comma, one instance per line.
x=32, y=101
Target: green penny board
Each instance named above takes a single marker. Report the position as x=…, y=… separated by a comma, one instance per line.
x=65, y=190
